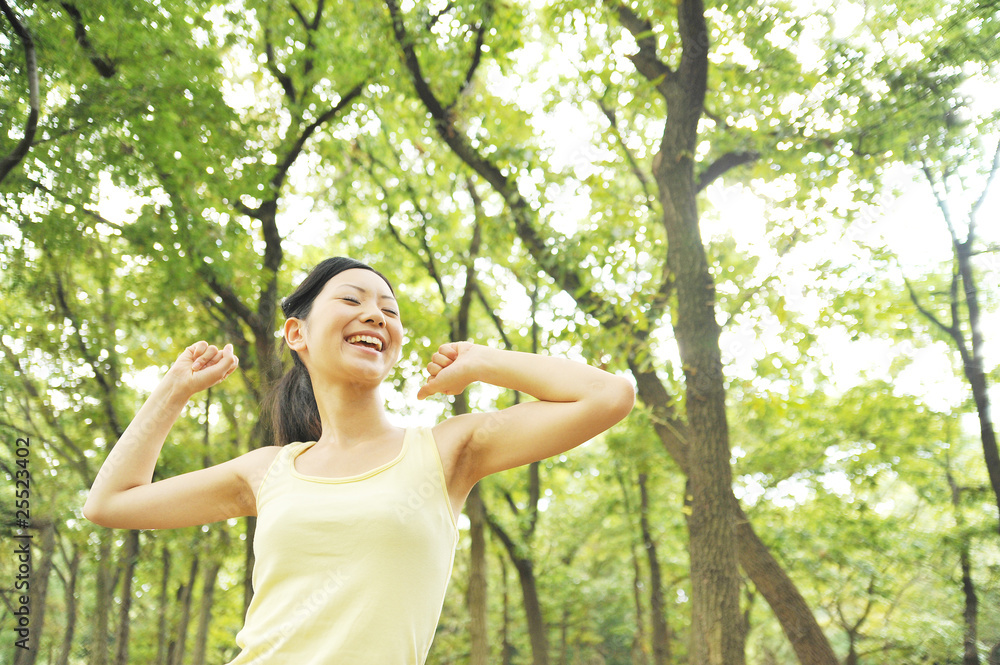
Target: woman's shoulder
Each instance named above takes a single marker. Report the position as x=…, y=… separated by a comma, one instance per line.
x=263, y=455
x=254, y=465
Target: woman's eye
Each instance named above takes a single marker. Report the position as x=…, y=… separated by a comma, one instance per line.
x=351, y=300
x=391, y=312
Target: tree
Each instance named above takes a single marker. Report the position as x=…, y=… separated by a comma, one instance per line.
x=963, y=324
x=713, y=541
x=941, y=129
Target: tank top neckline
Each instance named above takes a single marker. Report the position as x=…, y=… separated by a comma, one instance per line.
x=306, y=445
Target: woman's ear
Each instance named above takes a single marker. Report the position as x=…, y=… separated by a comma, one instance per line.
x=294, y=332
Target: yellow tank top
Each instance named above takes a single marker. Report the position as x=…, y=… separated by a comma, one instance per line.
x=353, y=570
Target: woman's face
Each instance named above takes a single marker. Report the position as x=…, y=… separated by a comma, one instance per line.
x=352, y=331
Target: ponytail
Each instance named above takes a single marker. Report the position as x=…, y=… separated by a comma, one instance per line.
x=294, y=414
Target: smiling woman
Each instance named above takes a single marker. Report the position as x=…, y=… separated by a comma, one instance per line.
x=339, y=288
x=356, y=528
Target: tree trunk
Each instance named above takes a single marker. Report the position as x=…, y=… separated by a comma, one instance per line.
x=39, y=586
x=478, y=632
x=789, y=607
x=162, y=633
x=47, y=532
x=782, y=596
x=248, y=561
x=970, y=614
x=130, y=556
x=657, y=606
x=639, y=655
x=205, y=611
x=972, y=358
x=506, y=648
x=564, y=637
x=537, y=630
x=476, y=598
x=184, y=595
x=639, y=652
x=102, y=602
x=70, y=600
x=973, y=366
x=715, y=614
x=852, y=650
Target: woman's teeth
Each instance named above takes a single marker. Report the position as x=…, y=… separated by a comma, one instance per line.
x=366, y=339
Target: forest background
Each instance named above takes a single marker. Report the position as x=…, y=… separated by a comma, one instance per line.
x=776, y=217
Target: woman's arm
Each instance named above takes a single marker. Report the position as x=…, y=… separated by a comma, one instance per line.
x=575, y=403
x=123, y=495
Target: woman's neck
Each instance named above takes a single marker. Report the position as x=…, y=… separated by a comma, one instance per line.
x=351, y=414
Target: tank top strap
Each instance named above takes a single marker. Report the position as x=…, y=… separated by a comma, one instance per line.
x=277, y=472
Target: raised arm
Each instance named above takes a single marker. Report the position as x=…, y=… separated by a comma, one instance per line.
x=123, y=495
x=575, y=403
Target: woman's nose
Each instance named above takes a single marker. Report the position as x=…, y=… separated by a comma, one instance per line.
x=375, y=316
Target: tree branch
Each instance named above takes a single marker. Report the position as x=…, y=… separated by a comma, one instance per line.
x=279, y=177
x=646, y=61
x=239, y=206
x=230, y=299
x=76, y=457
x=8, y=162
x=104, y=66
x=637, y=171
x=427, y=259
x=318, y=16
x=97, y=217
x=510, y=502
x=107, y=387
x=462, y=331
x=548, y=257
x=491, y=311
x=728, y=161
x=299, y=14
x=951, y=331
x=276, y=70
x=942, y=204
x=994, y=167
x=437, y=17
x=477, y=57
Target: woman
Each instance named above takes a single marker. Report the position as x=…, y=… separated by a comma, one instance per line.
x=356, y=527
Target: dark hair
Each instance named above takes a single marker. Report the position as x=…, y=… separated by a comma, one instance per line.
x=293, y=411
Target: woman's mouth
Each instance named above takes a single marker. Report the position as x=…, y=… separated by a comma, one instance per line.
x=366, y=341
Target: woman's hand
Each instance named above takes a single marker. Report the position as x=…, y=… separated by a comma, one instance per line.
x=452, y=368
x=201, y=366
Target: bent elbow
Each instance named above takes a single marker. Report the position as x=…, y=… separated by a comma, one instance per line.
x=93, y=514
x=629, y=397
x=90, y=514
x=621, y=398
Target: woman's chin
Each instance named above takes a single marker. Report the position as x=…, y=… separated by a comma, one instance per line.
x=369, y=377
